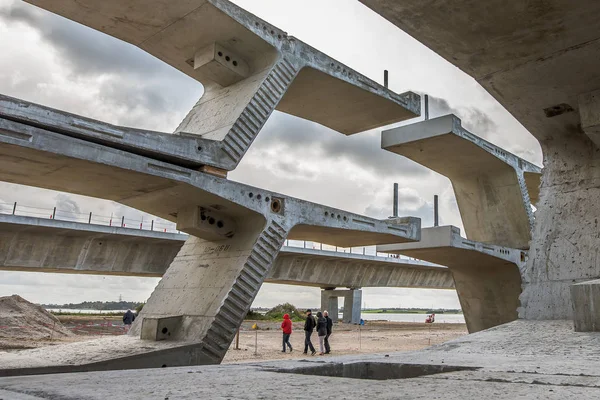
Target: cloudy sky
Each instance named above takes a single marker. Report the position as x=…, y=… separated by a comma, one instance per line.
x=52, y=61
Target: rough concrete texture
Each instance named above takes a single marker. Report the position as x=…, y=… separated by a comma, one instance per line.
x=211, y=283
x=487, y=277
x=352, y=304
x=523, y=359
x=489, y=183
x=32, y=244
x=537, y=59
x=586, y=303
x=255, y=69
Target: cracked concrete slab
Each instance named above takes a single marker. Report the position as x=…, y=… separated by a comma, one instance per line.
x=523, y=359
x=487, y=277
x=491, y=185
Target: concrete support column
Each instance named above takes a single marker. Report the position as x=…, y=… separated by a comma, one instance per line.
x=207, y=291
x=329, y=302
x=352, y=302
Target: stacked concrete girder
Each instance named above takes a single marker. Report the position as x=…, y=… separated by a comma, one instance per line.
x=487, y=277
x=33, y=244
x=207, y=290
x=540, y=60
x=492, y=186
x=248, y=68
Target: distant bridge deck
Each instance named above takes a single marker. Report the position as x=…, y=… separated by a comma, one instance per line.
x=49, y=245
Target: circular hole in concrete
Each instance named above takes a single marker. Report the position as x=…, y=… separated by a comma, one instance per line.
x=276, y=205
x=203, y=217
x=272, y=32
x=164, y=366
x=234, y=63
x=339, y=216
x=211, y=221
x=220, y=54
x=164, y=330
x=267, y=198
x=278, y=36
x=345, y=219
x=326, y=214
x=227, y=58
x=258, y=196
x=219, y=224
x=199, y=148
x=99, y=243
x=251, y=195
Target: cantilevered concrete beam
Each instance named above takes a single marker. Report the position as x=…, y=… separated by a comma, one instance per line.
x=32, y=244
x=537, y=58
x=248, y=68
x=487, y=277
x=491, y=185
x=200, y=302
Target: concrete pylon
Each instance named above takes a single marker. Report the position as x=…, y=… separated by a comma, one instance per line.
x=487, y=277
x=352, y=304
x=208, y=289
x=493, y=188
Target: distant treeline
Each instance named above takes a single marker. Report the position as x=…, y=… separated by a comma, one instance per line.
x=96, y=305
x=412, y=311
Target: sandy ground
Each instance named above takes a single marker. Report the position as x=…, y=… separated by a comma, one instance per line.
x=374, y=337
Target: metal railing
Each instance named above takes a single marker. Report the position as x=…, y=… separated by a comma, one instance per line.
x=161, y=225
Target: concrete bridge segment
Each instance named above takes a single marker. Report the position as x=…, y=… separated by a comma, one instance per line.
x=493, y=188
x=540, y=60
x=248, y=68
x=45, y=245
x=487, y=277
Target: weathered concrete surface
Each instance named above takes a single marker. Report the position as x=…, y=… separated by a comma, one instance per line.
x=214, y=278
x=32, y=244
x=489, y=182
x=524, y=359
x=274, y=71
x=487, y=277
x=352, y=304
x=586, y=306
x=537, y=59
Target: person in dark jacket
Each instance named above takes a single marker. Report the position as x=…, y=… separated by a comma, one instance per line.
x=128, y=319
x=321, y=331
x=309, y=325
x=286, y=327
x=329, y=329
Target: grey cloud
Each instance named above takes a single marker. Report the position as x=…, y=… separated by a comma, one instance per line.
x=472, y=118
x=425, y=211
x=88, y=51
x=363, y=149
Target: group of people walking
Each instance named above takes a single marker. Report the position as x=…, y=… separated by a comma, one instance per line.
x=323, y=325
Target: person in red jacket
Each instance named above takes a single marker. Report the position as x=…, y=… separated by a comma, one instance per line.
x=286, y=327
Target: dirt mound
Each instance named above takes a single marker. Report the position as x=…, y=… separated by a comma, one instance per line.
x=20, y=319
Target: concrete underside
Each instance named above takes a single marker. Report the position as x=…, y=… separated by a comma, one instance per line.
x=211, y=283
x=487, y=278
x=41, y=245
x=523, y=359
x=280, y=72
x=489, y=183
x=536, y=58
